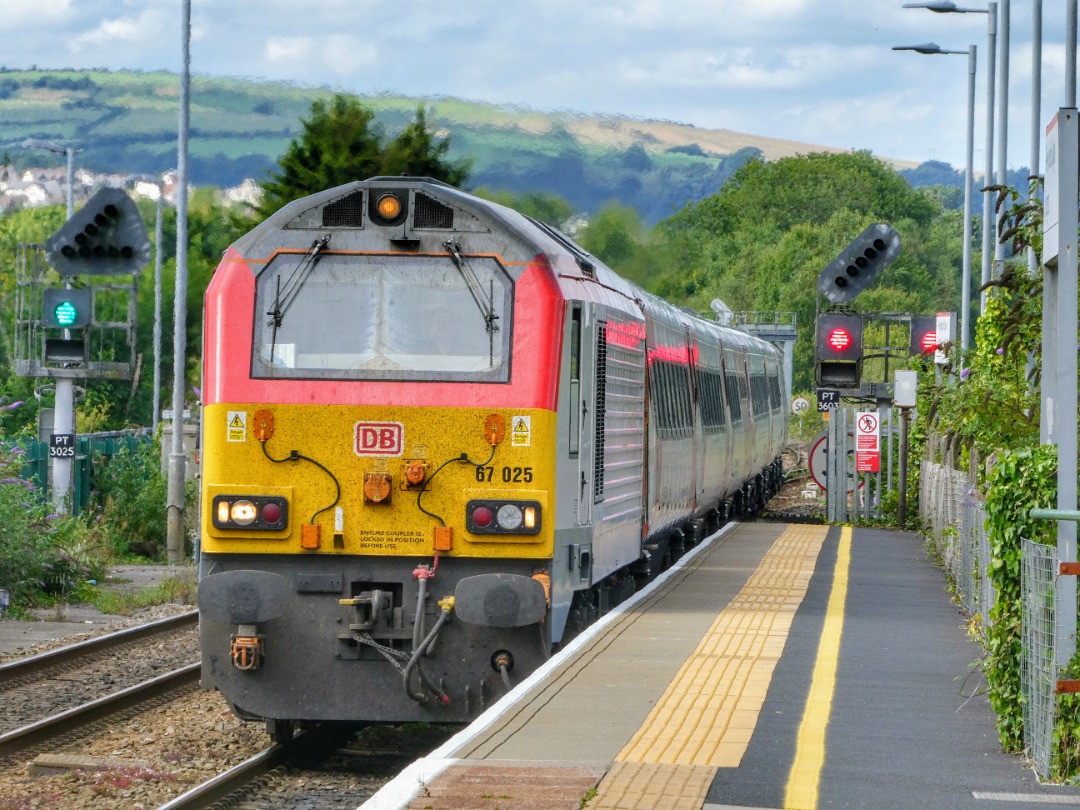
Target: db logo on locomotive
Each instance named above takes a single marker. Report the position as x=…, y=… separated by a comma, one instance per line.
x=379, y=438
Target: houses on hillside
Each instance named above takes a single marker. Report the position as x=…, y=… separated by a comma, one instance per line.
x=34, y=187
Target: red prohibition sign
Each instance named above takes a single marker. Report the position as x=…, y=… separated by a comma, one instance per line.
x=868, y=424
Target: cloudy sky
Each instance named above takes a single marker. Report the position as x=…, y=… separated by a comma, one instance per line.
x=818, y=71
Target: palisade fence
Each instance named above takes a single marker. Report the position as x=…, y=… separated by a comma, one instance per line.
x=953, y=511
x=88, y=446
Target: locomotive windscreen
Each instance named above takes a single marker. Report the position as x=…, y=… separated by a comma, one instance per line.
x=364, y=317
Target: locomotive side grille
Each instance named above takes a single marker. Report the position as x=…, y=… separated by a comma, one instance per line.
x=348, y=212
x=623, y=426
x=430, y=213
x=601, y=411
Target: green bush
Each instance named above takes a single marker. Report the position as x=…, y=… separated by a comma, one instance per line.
x=42, y=554
x=130, y=500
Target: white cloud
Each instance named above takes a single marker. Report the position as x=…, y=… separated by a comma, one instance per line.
x=288, y=49
x=33, y=13
x=124, y=40
x=344, y=55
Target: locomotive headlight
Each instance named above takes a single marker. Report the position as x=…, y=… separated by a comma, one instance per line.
x=509, y=516
x=243, y=513
x=502, y=517
x=251, y=512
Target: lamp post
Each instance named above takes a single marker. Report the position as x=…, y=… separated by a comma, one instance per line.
x=1036, y=102
x=965, y=284
x=158, y=227
x=177, y=459
x=949, y=7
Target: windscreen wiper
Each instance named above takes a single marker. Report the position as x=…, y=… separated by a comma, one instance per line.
x=484, y=302
x=284, y=297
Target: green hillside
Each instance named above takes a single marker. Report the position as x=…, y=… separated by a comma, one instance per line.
x=126, y=122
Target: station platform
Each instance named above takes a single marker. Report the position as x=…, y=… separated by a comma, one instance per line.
x=774, y=666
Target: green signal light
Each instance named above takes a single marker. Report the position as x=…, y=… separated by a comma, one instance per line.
x=65, y=313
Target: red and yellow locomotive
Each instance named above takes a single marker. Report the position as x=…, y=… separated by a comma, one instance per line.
x=438, y=437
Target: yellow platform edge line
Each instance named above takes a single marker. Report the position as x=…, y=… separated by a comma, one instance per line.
x=731, y=675
x=804, y=780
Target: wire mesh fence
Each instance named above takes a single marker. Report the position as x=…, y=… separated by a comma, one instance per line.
x=1038, y=570
x=955, y=518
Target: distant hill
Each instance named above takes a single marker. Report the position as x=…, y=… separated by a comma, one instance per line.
x=125, y=121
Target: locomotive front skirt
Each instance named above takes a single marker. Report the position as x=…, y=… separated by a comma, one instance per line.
x=439, y=438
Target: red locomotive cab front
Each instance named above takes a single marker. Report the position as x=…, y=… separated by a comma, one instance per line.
x=379, y=425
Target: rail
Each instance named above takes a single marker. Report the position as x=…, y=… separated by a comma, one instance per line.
x=22, y=667
x=49, y=727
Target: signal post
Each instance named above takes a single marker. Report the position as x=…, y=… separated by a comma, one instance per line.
x=59, y=334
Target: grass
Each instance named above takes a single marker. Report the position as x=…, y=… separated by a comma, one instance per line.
x=170, y=590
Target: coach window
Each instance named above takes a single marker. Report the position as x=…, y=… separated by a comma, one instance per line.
x=383, y=318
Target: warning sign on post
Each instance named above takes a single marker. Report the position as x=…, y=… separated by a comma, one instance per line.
x=867, y=442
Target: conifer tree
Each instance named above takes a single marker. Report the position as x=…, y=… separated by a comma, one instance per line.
x=342, y=142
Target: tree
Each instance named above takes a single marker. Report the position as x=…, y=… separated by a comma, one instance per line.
x=341, y=142
x=550, y=209
x=761, y=241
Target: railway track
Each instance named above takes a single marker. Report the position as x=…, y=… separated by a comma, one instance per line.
x=54, y=682
x=329, y=767
x=60, y=728
x=17, y=671
x=153, y=742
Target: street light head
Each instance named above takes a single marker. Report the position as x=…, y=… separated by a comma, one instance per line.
x=48, y=146
x=925, y=47
x=939, y=6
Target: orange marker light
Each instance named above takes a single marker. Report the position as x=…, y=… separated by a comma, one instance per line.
x=388, y=206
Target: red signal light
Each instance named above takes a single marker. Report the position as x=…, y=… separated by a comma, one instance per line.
x=839, y=339
x=928, y=342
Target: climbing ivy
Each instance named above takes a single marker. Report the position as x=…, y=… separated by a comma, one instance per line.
x=1020, y=480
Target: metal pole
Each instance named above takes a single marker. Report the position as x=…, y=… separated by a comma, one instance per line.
x=64, y=423
x=988, y=173
x=1070, y=53
x=901, y=507
x=177, y=459
x=1036, y=103
x=1003, y=126
x=70, y=154
x=969, y=178
x=158, y=236
x=1059, y=395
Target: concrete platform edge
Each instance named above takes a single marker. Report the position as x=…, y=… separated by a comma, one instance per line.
x=406, y=786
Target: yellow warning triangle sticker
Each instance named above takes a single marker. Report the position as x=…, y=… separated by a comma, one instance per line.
x=236, y=422
x=519, y=426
